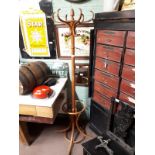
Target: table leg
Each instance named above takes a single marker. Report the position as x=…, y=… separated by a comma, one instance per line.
x=23, y=133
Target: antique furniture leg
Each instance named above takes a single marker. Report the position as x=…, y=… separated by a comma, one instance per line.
x=23, y=133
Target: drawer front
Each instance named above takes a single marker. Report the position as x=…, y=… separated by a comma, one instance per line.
x=130, y=40
x=109, y=52
x=107, y=79
x=104, y=102
x=111, y=37
x=129, y=57
x=107, y=66
x=126, y=98
x=106, y=91
x=128, y=87
x=128, y=73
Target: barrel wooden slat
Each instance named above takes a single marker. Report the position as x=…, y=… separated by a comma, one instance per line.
x=23, y=84
x=37, y=72
x=29, y=75
x=44, y=67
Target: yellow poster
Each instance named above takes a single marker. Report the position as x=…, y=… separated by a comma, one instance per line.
x=34, y=31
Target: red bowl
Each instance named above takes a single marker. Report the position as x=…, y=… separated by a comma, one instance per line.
x=42, y=92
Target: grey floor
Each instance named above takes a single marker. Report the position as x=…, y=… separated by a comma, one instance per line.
x=50, y=142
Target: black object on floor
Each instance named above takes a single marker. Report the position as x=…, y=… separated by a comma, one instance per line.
x=118, y=147
x=120, y=134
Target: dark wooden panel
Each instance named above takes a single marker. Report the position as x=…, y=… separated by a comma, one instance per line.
x=106, y=91
x=130, y=14
x=130, y=40
x=107, y=79
x=128, y=73
x=36, y=119
x=126, y=98
x=129, y=57
x=115, y=25
x=99, y=118
x=111, y=37
x=103, y=101
x=91, y=60
x=107, y=66
x=128, y=87
x=109, y=52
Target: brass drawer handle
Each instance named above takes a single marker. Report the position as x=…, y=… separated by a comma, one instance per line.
x=106, y=64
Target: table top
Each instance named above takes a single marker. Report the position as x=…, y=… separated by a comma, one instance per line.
x=47, y=102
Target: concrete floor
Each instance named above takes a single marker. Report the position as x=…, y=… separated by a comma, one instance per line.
x=50, y=142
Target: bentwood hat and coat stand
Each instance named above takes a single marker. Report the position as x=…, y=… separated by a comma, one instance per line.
x=73, y=113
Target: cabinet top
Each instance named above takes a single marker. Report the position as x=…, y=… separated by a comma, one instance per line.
x=130, y=14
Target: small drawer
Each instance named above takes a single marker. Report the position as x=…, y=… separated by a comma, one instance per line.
x=107, y=66
x=129, y=57
x=128, y=87
x=105, y=90
x=111, y=37
x=130, y=40
x=128, y=73
x=126, y=98
x=109, y=52
x=103, y=101
x=107, y=79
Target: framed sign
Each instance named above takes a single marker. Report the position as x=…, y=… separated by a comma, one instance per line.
x=82, y=41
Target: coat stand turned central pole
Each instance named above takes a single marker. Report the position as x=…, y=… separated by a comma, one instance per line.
x=74, y=113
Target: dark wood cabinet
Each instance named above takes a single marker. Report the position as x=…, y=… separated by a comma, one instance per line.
x=113, y=69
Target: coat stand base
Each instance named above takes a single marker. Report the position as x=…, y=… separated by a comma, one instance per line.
x=74, y=133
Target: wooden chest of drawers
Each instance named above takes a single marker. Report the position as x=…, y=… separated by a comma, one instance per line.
x=113, y=69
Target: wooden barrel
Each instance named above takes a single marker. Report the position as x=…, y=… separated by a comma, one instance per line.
x=32, y=75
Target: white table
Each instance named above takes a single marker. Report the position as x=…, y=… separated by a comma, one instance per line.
x=40, y=110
